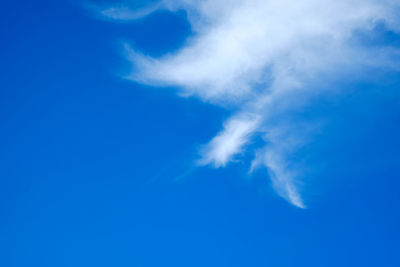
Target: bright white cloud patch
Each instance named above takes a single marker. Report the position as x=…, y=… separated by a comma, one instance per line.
x=230, y=141
x=266, y=58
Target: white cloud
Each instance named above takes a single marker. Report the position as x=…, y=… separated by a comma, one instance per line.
x=265, y=58
x=125, y=13
x=229, y=142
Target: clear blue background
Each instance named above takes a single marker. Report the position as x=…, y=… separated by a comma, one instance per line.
x=98, y=171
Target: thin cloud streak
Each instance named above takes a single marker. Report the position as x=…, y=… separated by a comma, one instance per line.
x=229, y=142
x=266, y=59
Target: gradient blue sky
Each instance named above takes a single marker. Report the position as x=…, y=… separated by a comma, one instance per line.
x=100, y=171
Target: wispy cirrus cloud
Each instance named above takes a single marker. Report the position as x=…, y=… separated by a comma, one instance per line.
x=265, y=59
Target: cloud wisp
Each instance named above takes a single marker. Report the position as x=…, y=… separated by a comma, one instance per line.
x=265, y=59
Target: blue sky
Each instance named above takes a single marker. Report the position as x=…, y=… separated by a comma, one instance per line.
x=113, y=134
